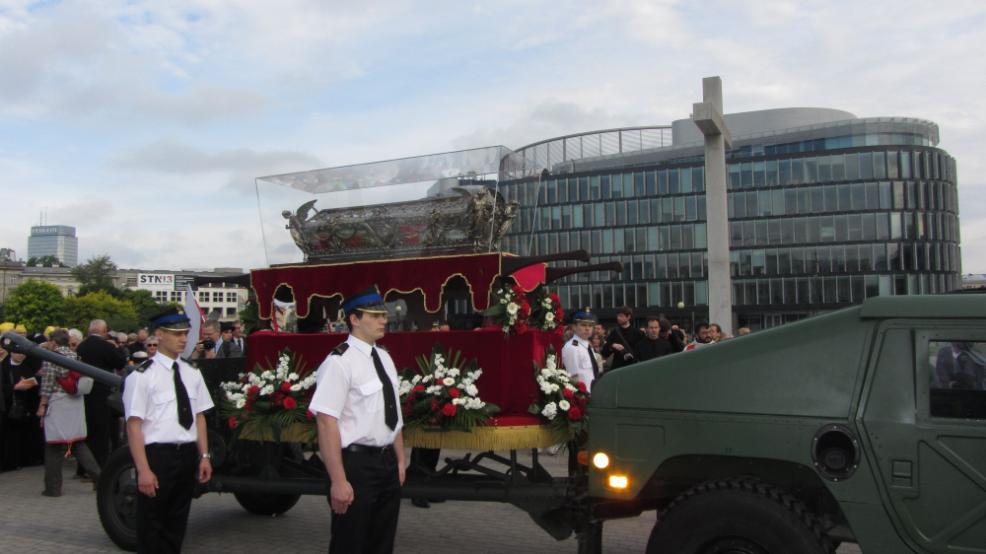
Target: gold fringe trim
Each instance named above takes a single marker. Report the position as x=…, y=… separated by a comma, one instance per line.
x=296, y=432
x=487, y=438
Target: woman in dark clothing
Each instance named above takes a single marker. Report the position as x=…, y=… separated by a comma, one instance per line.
x=23, y=439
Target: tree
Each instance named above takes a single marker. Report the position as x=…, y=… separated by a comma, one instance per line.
x=119, y=314
x=45, y=261
x=143, y=301
x=96, y=275
x=35, y=304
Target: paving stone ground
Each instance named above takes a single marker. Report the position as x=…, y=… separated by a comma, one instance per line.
x=30, y=522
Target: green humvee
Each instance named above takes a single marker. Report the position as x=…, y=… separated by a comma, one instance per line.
x=865, y=425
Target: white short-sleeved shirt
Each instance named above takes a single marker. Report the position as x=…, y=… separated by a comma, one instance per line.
x=150, y=396
x=348, y=389
x=575, y=356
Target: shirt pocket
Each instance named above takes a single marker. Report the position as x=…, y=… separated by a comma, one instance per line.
x=369, y=394
x=161, y=402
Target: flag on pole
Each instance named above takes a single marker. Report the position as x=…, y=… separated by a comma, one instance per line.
x=196, y=318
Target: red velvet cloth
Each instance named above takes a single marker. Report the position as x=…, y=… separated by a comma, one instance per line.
x=426, y=274
x=507, y=362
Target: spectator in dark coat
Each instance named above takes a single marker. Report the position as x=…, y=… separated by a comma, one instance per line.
x=621, y=339
x=656, y=342
x=23, y=440
x=97, y=350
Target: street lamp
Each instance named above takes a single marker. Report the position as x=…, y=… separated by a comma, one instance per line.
x=681, y=306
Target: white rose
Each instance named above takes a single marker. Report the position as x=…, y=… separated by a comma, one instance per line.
x=453, y=372
x=458, y=401
x=550, y=410
x=448, y=381
x=564, y=405
x=240, y=404
x=295, y=388
x=549, y=317
x=471, y=390
x=512, y=308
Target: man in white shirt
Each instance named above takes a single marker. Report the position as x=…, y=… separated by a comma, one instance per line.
x=577, y=355
x=164, y=400
x=359, y=431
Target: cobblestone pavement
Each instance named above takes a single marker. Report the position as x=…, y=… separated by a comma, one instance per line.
x=30, y=522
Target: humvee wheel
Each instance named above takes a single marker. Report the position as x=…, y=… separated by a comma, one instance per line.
x=116, y=499
x=738, y=516
x=266, y=504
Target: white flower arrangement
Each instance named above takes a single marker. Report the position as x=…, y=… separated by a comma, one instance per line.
x=444, y=393
x=562, y=398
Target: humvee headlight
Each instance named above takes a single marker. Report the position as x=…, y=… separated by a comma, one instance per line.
x=600, y=460
x=619, y=482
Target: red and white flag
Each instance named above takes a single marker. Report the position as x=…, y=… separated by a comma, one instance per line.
x=196, y=319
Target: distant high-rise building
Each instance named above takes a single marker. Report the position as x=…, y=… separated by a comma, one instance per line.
x=54, y=240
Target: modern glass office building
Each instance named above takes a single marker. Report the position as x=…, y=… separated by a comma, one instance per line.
x=825, y=210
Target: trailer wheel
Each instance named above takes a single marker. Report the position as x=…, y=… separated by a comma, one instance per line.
x=738, y=516
x=116, y=499
x=266, y=504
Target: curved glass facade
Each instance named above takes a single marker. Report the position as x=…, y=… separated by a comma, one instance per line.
x=814, y=225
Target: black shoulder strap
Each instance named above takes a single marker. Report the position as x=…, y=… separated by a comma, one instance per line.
x=340, y=350
x=575, y=342
x=144, y=365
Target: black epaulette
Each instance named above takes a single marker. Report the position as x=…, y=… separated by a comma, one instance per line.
x=340, y=350
x=575, y=342
x=381, y=347
x=143, y=365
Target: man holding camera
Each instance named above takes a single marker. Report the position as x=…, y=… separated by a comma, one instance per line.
x=621, y=339
x=206, y=348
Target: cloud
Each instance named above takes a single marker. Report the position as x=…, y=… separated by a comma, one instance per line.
x=241, y=165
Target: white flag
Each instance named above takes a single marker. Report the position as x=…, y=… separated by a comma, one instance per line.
x=194, y=314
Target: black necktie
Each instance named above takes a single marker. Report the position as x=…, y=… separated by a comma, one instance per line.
x=595, y=366
x=184, y=405
x=389, y=402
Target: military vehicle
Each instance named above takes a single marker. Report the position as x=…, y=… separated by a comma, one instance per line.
x=865, y=425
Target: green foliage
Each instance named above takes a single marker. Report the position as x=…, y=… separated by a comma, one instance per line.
x=96, y=275
x=45, y=261
x=143, y=301
x=250, y=317
x=35, y=304
x=119, y=314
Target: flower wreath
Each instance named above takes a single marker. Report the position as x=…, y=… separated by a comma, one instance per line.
x=443, y=393
x=510, y=308
x=562, y=399
x=270, y=398
x=546, y=311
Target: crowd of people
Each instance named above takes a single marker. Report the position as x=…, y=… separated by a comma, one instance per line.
x=47, y=412
x=623, y=344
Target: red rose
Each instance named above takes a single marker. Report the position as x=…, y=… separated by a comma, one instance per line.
x=554, y=298
x=525, y=309
x=574, y=413
x=285, y=387
x=434, y=405
x=232, y=422
x=309, y=414
x=567, y=394
x=252, y=391
x=448, y=410
x=290, y=403
x=276, y=398
x=453, y=392
x=520, y=327
x=418, y=388
x=581, y=386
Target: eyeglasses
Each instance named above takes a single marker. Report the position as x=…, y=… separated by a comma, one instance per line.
x=150, y=345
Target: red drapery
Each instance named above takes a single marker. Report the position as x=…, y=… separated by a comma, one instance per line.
x=507, y=362
x=429, y=275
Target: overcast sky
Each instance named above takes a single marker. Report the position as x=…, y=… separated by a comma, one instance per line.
x=144, y=124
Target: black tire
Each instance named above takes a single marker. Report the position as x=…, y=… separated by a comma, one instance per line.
x=266, y=504
x=737, y=516
x=116, y=499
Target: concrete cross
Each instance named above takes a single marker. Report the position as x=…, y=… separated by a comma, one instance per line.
x=708, y=116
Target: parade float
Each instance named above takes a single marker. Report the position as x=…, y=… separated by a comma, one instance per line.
x=482, y=389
